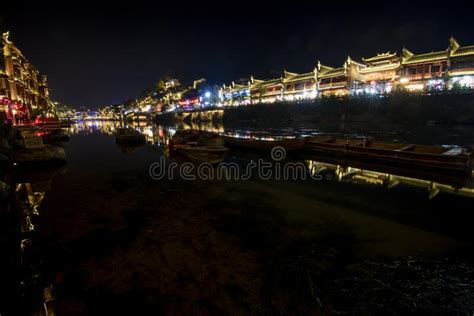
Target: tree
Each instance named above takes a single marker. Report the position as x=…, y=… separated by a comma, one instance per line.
x=456, y=87
x=161, y=84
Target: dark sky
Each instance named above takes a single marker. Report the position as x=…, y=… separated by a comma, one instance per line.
x=97, y=53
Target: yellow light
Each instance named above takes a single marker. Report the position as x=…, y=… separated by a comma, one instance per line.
x=404, y=80
x=415, y=87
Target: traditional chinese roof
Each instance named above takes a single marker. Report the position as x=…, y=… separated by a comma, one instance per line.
x=244, y=81
x=237, y=86
x=226, y=88
x=301, y=77
x=460, y=72
x=333, y=73
x=289, y=75
x=270, y=82
x=350, y=61
x=233, y=87
x=380, y=57
x=421, y=58
x=323, y=69
x=453, y=44
x=5, y=37
x=463, y=51
x=266, y=83
x=384, y=67
x=254, y=81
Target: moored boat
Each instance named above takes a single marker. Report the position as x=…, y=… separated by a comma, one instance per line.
x=438, y=158
x=202, y=153
x=199, y=146
x=264, y=144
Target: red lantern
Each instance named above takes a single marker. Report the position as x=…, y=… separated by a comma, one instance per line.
x=5, y=101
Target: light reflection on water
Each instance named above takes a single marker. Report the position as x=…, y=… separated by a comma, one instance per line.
x=355, y=175
x=426, y=135
x=35, y=284
x=158, y=135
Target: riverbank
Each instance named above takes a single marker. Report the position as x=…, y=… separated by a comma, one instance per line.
x=399, y=108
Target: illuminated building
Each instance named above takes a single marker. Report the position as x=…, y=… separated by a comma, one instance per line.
x=266, y=91
x=170, y=83
x=201, y=94
x=338, y=81
x=461, y=68
x=189, y=99
x=378, y=75
x=299, y=86
x=419, y=70
x=235, y=94
x=24, y=92
x=432, y=70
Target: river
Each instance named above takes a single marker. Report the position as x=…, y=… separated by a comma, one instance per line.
x=113, y=239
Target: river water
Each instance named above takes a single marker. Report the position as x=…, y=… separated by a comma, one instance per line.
x=112, y=239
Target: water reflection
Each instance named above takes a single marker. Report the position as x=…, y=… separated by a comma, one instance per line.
x=36, y=288
x=365, y=176
x=426, y=135
x=91, y=127
x=160, y=135
x=368, y=174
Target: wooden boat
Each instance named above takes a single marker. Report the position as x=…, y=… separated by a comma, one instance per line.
x=202, y=153
x=199, y=146
x=129, y=136
x=265, y=144
x=437, y=158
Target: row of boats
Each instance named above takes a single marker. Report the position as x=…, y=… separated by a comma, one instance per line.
x=211, y=147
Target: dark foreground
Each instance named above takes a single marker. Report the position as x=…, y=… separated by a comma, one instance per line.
x=115, y=241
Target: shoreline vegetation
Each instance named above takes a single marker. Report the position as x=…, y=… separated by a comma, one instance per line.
x=398, y=108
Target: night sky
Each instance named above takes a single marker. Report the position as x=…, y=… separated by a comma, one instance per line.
x=96, y=54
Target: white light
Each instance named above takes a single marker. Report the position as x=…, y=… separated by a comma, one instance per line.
x=207, y=94
x=404, y=80
x=466, y=81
